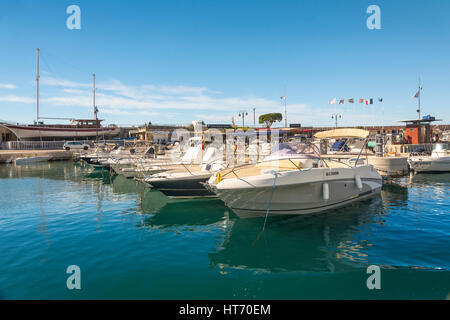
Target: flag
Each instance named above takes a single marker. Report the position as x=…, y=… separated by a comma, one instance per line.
x=351, y=100
x=380, y=99
x=283, y=97
x=342, y=101
x=361, y=100
x=417, y=95
x=333, y=101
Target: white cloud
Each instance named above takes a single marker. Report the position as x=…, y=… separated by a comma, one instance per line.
x=116, y=98
x=7, y=86
x=14, y=98
x=55, y=82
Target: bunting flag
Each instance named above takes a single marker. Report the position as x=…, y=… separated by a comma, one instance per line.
x=283, y=97
x=367, y=101
x=417, y=95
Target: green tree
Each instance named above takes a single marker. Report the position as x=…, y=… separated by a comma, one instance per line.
x=269, y=118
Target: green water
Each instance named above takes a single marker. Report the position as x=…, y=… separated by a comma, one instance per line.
x=133, y=243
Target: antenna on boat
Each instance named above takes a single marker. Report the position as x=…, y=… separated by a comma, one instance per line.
x=37, y=88
x=95, y=107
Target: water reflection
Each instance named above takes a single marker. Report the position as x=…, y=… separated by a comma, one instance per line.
x=60, y=170
x=328, y=242
x=430, y=179
x=43, y=225
x=175, y=213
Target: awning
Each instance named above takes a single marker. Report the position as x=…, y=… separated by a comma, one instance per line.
x=342, y=133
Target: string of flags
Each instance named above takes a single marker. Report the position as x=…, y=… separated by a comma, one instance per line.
x=362, y=101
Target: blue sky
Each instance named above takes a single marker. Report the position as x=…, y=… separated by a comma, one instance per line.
x=177, y=61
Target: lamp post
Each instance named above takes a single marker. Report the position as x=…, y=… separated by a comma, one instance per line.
x=254, y=117
x=243, y=114
x=336, y=116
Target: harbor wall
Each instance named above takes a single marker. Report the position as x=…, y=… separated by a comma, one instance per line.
x=7, y=156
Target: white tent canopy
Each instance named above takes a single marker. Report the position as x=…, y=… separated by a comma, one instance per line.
x=342, y=133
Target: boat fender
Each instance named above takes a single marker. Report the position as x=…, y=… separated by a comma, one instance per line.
x=219, y=177
x=326, y=191
x=358, y=182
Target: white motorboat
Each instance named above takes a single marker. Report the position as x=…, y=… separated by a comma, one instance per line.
x=138, y=166
x=294, y=179
x=184, y=180
x=438, y=161
x=31, y=160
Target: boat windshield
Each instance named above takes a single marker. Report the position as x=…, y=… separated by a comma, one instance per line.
x=441, y=146
x=293, y=149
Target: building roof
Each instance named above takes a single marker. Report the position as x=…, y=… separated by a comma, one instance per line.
x=419, y=121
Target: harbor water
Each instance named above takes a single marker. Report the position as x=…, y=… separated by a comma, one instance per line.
x=134, y=243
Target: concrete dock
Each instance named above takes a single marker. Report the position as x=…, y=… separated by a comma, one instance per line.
x=7, y=156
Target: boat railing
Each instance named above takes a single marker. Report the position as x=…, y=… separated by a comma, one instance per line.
x=32, y=145
x=50, y=145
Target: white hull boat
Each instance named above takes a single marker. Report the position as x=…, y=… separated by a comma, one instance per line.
x=189, y=181
x=31, y=160
x=294, y=184
x=30, y=132
x=439, y=161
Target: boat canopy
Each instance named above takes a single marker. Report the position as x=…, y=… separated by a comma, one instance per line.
x=342, y=133
x=287, y=149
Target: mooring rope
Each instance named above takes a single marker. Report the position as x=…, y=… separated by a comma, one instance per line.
x=275, y=173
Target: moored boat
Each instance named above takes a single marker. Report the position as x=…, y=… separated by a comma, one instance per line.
x=294, y=180
x=438, y=161
x=31, y=160
x=78, y=128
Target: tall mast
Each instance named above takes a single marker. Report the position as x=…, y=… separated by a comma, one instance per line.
x=95, y=107
x=285, y=113
x=37, y=88
x=285, y=108
x=420, y=93
x=93, y=91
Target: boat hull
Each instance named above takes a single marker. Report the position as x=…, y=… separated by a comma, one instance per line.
x=430, y=164
x=31, y=160
x=185, y=187
x=37, y=132
x=303, y=194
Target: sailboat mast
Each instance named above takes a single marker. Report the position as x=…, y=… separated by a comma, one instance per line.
x=93, y=90
x=95, y=108
x=37, y=88
x=420, y=93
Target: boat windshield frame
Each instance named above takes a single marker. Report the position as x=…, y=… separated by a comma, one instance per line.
x=296, y=150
